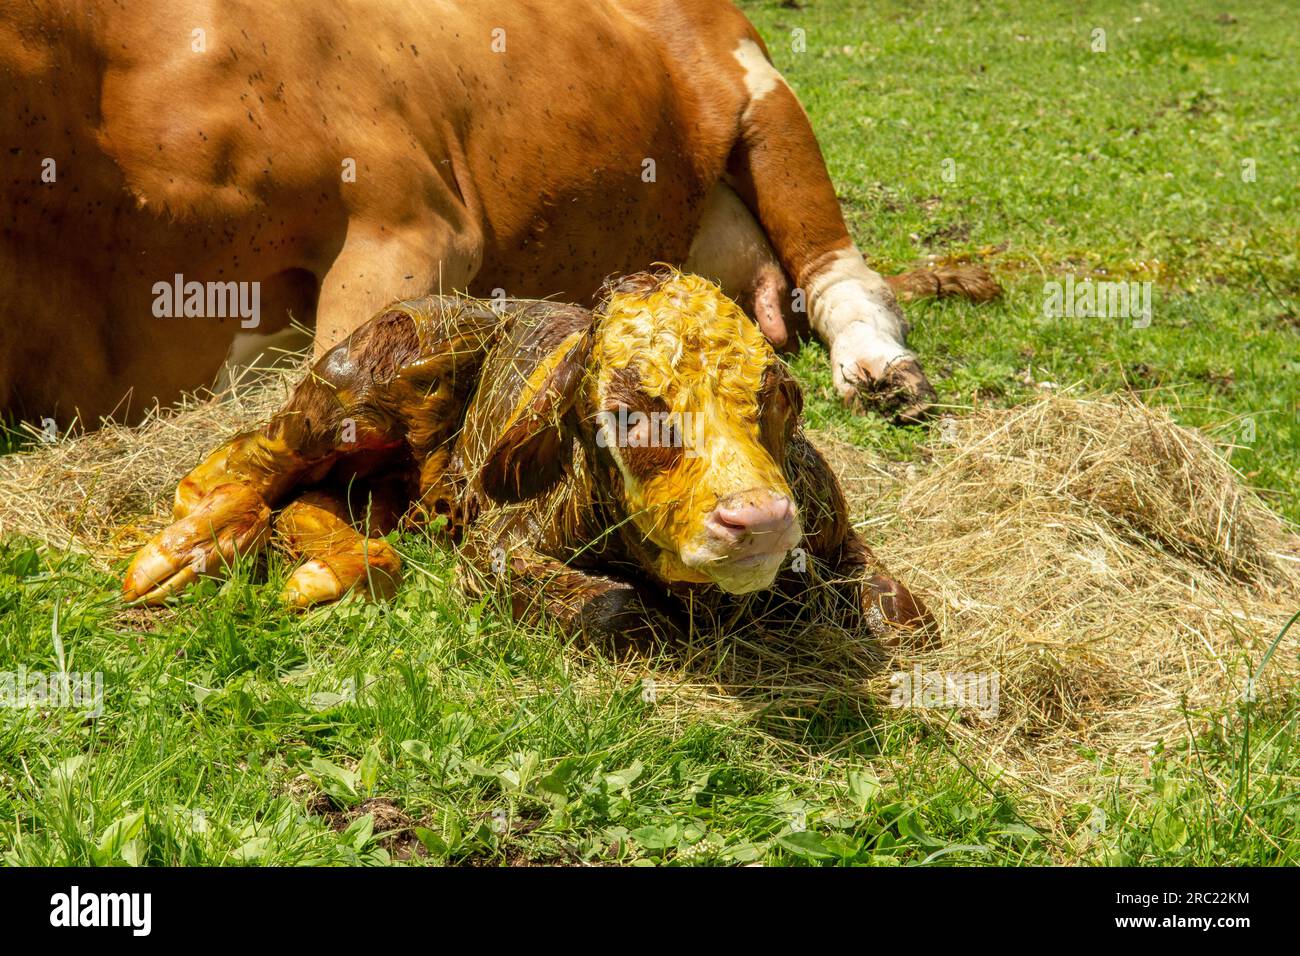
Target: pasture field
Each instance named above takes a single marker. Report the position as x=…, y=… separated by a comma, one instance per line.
x=430, y=730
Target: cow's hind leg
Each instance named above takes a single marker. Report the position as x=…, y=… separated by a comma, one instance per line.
x=377, y=266
x=731, y=249
x=777, y=168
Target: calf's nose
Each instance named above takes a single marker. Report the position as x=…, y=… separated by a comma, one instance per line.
x=762, y=515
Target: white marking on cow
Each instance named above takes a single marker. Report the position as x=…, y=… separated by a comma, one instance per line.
x=730, y=247
x=853, y=310
x=761, y=77
x=263, y=351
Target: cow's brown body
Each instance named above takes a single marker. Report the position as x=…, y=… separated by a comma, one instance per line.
x=519, y=170
x=496, y=145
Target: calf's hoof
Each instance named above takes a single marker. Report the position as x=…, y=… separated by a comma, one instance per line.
x=229, y=522
x=371, y=570
x=905, y=619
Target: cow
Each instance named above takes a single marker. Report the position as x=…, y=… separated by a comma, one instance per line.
x=183, y=179
x=617, y=471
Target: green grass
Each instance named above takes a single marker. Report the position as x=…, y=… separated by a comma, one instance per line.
x=1127, y=161
x=234, y=731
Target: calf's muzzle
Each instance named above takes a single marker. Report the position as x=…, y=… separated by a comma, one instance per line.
x=753, y=522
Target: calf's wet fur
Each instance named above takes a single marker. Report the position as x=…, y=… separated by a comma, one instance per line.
x=627, y=472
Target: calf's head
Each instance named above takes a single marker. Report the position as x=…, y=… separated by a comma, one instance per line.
x=683, y=412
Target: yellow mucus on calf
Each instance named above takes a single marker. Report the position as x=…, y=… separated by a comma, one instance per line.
x=695, y=349
x=532, y=387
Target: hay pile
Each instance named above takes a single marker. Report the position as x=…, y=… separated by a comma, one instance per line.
x=1107, y=565
x=104, y=494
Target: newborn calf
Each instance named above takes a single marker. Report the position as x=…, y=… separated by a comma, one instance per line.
x=615, y=471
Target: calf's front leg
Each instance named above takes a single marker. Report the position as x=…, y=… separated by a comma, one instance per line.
x=889, y=608
x=344, y=548
x=592, y=608
x=392, y=384
x=874, y=598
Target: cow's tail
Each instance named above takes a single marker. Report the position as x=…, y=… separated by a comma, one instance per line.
x=966, y=281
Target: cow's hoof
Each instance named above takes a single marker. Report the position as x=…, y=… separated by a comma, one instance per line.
x=230, y=521
x=372, y=571
x=902, y=393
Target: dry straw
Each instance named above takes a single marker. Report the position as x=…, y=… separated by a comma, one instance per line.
x=1106, y=564
x=104, y=493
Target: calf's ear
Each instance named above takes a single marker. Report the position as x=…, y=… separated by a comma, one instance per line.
x=530, y=455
